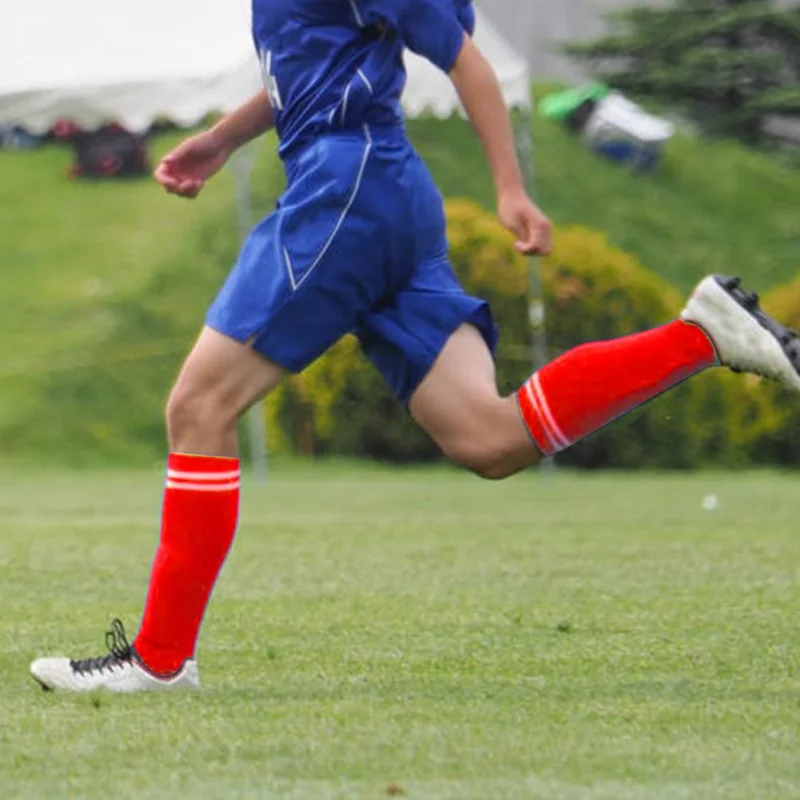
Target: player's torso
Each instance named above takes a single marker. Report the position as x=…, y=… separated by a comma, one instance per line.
x=325, y=72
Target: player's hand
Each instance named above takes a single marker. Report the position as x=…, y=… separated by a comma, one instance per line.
x=532, y=229
x=185, y=170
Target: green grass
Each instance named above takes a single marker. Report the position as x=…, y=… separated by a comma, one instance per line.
x=79, y=257
x=74, y=252
x=68, y=247
x=592, y=637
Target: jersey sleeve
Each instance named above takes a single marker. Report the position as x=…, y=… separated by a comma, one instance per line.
x=430, y=28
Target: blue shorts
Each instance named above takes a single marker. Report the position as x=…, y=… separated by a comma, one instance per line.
x=357, y=244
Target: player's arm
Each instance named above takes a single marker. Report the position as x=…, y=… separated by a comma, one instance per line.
x=246, y=123
x=185, y=170
x=439, y=30
x=482, y=97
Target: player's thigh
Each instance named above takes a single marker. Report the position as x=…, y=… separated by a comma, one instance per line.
x=458, y=405
x=222, y=376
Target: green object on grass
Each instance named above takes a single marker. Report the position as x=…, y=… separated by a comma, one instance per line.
x=559, y=105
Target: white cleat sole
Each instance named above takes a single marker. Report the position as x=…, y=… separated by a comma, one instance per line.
x=745, y=337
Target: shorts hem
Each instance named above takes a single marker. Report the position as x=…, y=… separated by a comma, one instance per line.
x=480, y=318
x=253, y=338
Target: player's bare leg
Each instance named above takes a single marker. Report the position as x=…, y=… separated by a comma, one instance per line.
x=220, y=380
x=592, y=385
x=458, y=405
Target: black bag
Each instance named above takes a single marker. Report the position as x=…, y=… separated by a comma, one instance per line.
x=110, y=152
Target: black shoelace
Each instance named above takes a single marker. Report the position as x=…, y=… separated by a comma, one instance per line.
x=120, y=652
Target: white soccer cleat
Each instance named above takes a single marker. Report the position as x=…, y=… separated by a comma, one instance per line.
x=745, y=338
x=120, y=671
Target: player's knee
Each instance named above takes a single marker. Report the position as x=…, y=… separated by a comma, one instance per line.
x=191, y=412
x=485, y=458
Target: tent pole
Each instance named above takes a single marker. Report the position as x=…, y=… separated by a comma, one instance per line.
x=242, y=166
x=537, y=316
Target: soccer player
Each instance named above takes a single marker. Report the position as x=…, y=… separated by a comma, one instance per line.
x=357, y=244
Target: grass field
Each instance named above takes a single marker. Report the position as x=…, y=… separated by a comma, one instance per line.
x=379, y=631
x=70, y=246
x=80, y=258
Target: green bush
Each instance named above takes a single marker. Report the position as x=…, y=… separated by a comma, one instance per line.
x=593, y=291
x=780, y=444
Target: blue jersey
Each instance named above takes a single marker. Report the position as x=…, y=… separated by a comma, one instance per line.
x=333, y=65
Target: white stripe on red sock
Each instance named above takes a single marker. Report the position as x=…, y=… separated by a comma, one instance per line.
x=535, y=406
x=203, y=487
x=548, y=421
x=203, y=476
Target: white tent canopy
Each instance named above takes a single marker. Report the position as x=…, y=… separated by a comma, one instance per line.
x=91, y=61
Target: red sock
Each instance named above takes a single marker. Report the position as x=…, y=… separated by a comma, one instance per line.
x=201, y=507
x=592, y=385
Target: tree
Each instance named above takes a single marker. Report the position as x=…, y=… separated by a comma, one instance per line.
x=731, y=64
